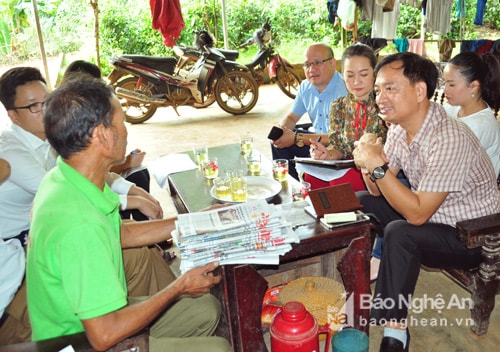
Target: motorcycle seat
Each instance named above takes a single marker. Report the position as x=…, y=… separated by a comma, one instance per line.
x=231, y=55
x=260, y=58
x=164, y=64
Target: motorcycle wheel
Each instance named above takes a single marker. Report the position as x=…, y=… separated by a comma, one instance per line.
x=136, y=113
x=236, y=92
x=288, y=81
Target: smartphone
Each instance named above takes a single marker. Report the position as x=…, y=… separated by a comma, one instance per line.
x=275, y=133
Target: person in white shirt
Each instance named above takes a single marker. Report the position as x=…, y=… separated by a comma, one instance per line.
x=25, y=147
x=472, y=89
x=12, y=258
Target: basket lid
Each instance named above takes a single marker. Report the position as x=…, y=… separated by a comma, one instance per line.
x=316, y=293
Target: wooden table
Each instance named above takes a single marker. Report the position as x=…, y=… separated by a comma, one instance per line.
x=190, y=190
x=243, y=286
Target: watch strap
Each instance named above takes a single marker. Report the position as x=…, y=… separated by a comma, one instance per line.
x=299, y=139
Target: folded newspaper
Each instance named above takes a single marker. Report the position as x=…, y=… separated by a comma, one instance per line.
x=248, y=233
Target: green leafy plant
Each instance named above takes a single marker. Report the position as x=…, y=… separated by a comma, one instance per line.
x=492, y=15
x=409, y=22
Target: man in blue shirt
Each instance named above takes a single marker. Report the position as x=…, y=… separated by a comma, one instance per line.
x=323, y=85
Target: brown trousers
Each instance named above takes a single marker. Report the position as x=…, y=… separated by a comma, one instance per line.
x=146, y=272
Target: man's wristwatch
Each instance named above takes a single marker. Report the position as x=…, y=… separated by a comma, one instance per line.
x=299, y=140
x=379, y=172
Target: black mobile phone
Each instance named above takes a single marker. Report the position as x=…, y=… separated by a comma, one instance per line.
x=275, y=133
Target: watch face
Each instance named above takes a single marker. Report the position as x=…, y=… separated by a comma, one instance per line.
x=378, y=173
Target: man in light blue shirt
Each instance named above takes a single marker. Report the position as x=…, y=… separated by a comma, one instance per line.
x=314, y=97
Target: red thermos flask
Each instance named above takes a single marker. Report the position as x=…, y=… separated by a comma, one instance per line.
x=294, y=329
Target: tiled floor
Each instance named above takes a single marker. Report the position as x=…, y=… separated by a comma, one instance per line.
x=431, y=329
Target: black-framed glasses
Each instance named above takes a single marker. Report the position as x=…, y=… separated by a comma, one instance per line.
x=315, y=63
x=34, y=108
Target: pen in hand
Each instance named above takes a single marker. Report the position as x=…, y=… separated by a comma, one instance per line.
x=312, y=149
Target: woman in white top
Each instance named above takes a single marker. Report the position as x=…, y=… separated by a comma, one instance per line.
x=472, y=89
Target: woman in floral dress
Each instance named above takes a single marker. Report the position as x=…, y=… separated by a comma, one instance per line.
x=351, y=116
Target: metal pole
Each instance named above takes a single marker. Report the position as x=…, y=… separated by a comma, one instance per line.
x=40, y=44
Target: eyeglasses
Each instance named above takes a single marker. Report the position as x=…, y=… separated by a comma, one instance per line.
x=315, y=63
x=34, y=108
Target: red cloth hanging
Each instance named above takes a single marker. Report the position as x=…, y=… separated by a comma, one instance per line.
x=167, y=19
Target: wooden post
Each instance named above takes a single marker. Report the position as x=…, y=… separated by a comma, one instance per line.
x=355, y=28
x=95, y=7
x=40, y=44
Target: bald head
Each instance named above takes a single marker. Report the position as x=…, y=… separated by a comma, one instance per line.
x=319, y=65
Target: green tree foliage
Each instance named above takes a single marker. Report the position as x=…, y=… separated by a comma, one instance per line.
x=62, y=23
x=492, y=15
x=125, y=25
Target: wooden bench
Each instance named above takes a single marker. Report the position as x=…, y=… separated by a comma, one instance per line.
x=481, y=282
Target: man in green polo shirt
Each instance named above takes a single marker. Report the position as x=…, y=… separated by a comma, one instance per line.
x=75, y=274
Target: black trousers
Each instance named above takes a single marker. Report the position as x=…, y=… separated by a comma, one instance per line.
x=141, y=178
x=405, y=248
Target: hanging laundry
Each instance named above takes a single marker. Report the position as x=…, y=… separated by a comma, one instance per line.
x=367, y=10
x=402, y=44
x=445, y=47
x=346, y=11
x=439, y=16
x=478, y=20
x=332, y=6
x=417, y=46
x=495, y=47
x=387, y=5
x=167, y=19
x=480, y=46
x=460, y=9
x=385, y=23
x=375, y=43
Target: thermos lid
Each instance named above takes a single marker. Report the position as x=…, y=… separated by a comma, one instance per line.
x=294, y=312
x=294, y=322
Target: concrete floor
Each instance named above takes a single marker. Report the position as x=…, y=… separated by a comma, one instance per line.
x=165, y=133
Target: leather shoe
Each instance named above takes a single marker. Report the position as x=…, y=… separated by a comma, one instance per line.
x=391, y=344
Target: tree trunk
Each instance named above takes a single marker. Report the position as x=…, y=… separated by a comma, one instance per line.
x=95, y=7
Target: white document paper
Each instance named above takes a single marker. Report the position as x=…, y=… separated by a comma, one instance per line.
x=170, y=164
x=323, y=173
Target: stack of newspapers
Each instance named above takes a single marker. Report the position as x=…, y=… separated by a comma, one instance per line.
x=248, y=233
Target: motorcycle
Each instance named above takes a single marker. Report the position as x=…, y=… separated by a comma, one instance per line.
x=144, y=83
x=188, y=55
x=266, y=60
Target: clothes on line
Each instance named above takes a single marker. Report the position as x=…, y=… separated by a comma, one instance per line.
x=478, y=20
x=167, y=19
x=480, y=46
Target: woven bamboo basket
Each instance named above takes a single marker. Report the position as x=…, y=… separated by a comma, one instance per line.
x=318, y=294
